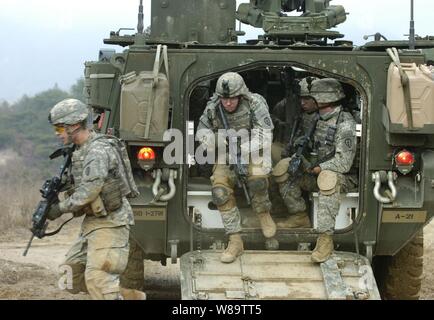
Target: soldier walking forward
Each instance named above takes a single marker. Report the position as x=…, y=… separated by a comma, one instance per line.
x=100, y=182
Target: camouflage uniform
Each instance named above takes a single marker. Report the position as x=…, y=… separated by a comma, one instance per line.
x=300, y=119
x=252, y=113
x=334, y=138
x=101, y=181
x=279, y=150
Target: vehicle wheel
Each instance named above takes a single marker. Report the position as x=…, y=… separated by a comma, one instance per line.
x=134, y=276
x=400, y=277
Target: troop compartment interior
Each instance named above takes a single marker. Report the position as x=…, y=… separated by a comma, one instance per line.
x=269, y=81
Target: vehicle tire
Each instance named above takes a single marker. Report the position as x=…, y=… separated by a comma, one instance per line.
x=400, y=277
x=134, y=276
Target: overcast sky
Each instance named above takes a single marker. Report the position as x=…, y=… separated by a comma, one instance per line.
x=44, y=42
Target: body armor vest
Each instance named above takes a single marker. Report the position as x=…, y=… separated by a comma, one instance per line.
x=324, y=136
x=240, y=119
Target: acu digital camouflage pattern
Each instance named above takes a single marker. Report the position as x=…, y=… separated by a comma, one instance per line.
x=327, y=90
x=97, y=260
x=306, y=86
x=282, y=125
x=252, y=115
x=344, y=148
x=223, y=182
x=93, y=164
x=101, y=253
x=230, y=85
x=69, y=112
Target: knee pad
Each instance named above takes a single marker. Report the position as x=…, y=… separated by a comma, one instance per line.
x=280, y=171
x=257, y=185
x=327, y=182
x=223, y=198
x=220, y=195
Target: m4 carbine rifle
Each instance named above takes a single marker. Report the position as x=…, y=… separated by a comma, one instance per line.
x=241, y=171
x=49, y=191
x=294, y=166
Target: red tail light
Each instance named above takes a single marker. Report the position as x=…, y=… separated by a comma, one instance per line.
x=404, y=161
x=146, y=154
x=404, y=158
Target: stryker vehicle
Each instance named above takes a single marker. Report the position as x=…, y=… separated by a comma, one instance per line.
x=163, y=80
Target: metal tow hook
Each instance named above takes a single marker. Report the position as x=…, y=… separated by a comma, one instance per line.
x=157, y=191
x=380, y=177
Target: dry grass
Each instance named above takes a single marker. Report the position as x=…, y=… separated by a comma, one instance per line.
x=19, y=192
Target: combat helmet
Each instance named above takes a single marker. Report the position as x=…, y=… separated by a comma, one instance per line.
x=69, y=112
x=327, y=90
x=306, y=85
x=230, y=85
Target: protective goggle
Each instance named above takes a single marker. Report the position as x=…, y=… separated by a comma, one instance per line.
x=59, y=129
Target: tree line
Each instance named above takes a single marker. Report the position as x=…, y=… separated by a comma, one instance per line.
x=24, y=126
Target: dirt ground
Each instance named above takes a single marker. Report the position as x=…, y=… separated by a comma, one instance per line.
x=35, y=276
x=427, y=291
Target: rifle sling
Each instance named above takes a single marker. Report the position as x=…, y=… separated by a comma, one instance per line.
x=49, y=234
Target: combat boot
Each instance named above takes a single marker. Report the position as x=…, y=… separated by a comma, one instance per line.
x=235, y=248
x=267, y=224
x=323, y=249
x=131, y=294
x=298, y=220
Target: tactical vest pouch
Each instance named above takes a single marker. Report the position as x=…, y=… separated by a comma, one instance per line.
x=127, y=184
x=145, y=101
x=111, y=194
x=97, y=207
x=410, y=96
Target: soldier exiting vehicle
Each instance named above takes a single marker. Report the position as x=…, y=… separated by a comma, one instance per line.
x=242, y=110
x=100, y=182
x=333, y=148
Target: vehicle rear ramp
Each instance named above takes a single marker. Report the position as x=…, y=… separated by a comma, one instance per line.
x=276, y=275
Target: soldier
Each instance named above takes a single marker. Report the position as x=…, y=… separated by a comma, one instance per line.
x=100, y=181
x=303, y=121
x=334, y=142
x=243, y=110
x=279, y=150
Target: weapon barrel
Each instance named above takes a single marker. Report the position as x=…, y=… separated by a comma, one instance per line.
x=246, y=194
x=28, y=245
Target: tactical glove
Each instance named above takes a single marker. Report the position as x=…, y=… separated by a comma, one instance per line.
x=307, y=165
x=54, y=212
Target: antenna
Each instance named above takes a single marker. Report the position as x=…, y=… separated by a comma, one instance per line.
x=412, y=40
x=140, y=25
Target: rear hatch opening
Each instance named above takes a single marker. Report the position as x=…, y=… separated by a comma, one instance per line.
x=270, y=83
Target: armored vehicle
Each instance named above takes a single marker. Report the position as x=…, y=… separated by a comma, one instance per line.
x=152, y=94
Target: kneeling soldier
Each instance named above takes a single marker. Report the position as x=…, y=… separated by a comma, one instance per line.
x=334, y=143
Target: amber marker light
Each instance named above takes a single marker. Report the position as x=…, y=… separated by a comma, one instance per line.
x=146, y=154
